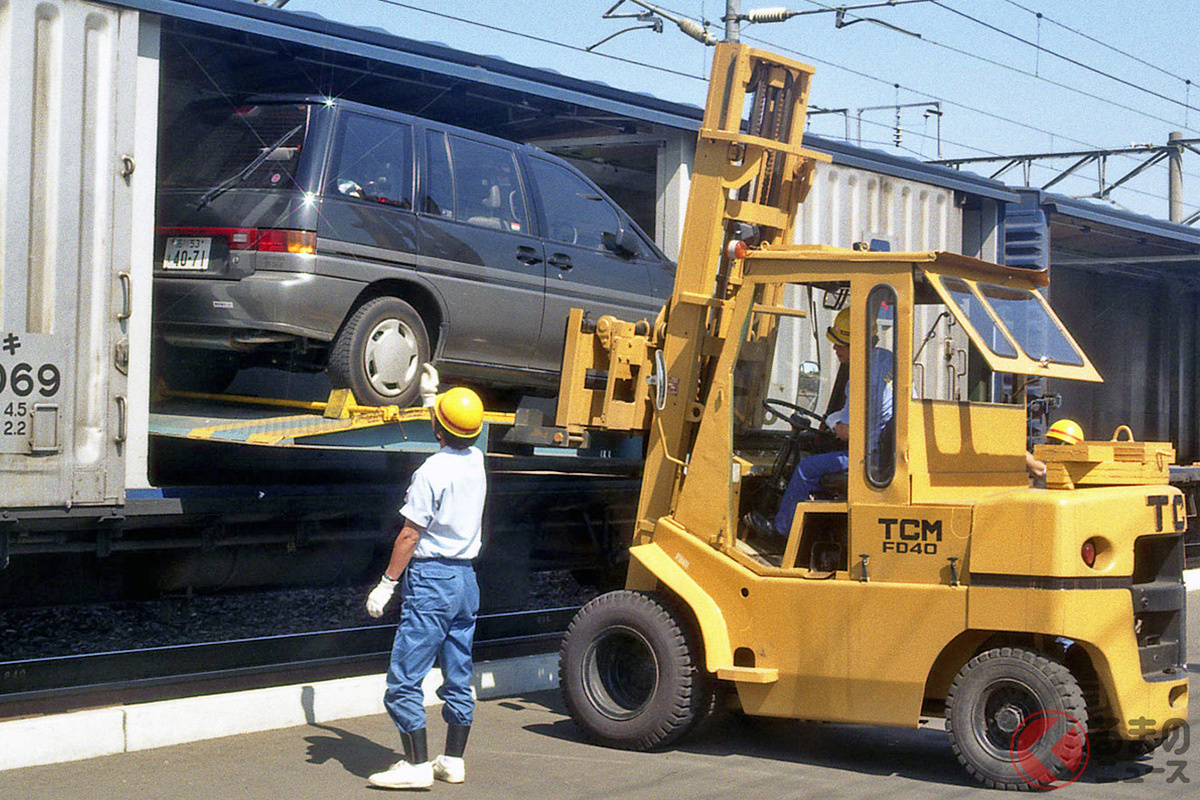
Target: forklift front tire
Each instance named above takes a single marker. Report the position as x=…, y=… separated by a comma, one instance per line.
x=631, y=673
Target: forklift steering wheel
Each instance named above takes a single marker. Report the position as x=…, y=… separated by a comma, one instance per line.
x=797, y=415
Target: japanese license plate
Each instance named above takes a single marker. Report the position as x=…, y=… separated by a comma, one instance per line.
x=187, y=253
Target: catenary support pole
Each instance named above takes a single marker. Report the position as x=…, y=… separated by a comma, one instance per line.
x=1175, y=178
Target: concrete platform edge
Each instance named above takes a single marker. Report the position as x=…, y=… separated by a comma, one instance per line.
x=78, y=735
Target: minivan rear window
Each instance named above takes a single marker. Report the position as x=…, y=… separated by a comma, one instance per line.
x=222, y=141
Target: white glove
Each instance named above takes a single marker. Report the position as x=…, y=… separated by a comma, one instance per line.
x=429, y=385
x=379, y=596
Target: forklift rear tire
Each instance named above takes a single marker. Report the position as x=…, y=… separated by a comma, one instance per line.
x=990, y=711
x=631, y=672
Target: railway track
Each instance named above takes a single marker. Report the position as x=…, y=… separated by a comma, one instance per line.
x=47, y=685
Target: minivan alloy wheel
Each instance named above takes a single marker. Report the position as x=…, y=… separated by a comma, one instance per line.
x=379, y=352
x=390, y=357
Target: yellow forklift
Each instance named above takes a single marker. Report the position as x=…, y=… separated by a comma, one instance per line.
x=929, y=578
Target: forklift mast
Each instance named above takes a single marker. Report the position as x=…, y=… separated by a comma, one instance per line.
x=746, y=187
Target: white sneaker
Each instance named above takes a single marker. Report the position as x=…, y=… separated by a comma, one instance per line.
x=404, y=775
x=449, y=769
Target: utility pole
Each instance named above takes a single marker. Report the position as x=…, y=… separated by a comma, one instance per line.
x=1175, y=177
x=733, y=24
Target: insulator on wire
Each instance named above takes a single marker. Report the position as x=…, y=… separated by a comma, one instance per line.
x=897, y=135
x=695, y=30
x=778, y=14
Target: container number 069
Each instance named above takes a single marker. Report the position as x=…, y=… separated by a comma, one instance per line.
x=31, y=374
x=22, y=380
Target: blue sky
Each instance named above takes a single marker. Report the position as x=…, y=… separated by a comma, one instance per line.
x=998, y=95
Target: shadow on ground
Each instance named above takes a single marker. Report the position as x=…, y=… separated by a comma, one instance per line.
x=922, y=754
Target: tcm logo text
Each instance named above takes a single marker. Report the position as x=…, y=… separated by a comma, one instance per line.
x=916, y=536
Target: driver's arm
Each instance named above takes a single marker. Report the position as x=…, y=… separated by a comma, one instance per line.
x=839, y=422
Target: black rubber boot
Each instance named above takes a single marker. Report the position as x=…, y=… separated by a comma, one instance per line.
x=456, y=739
x=416, y=746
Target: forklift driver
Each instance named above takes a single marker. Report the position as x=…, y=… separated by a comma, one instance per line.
x=810, y=470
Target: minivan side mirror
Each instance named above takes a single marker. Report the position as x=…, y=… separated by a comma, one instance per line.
x=624, y=242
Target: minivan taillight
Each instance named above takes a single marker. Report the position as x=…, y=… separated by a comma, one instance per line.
x=268, y=240
x=274, y=240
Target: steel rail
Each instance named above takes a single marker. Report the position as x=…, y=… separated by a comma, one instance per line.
x=42, y=685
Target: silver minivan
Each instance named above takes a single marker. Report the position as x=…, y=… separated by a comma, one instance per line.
x=312, y=234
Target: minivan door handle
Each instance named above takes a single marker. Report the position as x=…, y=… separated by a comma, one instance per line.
x=528, y=256
x=560, y=260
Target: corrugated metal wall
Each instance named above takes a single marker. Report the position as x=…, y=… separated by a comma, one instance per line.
x=63, y=208
x=1142, y=335
x=848, y=205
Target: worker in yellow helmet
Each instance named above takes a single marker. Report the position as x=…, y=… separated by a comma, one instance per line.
x=442, y=523
x=1064, y=431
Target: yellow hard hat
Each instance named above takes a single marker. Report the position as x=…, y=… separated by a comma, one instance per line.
x=1066, y=431
x=839, y=332
x=460, y=412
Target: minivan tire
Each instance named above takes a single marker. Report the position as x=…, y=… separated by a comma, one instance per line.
x=379, y=352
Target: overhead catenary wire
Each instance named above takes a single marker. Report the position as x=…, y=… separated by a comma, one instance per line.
x=541, y=39
x=1101, y=42
x=885, y=145
x=948, y=102
x=1036, y=76
x=1060, y=56
x=693, y=76
x=702, y=78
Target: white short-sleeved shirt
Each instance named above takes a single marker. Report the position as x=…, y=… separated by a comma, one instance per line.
x=446, y=499
x=881, y=388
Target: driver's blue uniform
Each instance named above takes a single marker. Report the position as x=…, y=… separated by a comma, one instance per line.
x=810, y=470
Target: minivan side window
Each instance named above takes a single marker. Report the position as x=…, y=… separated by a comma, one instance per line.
x=487, y=186
x=374, y=161
x=575, y=213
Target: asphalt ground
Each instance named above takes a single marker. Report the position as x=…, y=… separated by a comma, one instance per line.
x=527, y=747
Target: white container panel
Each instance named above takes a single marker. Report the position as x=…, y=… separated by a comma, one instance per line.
x=65, y=215
x=848, y=205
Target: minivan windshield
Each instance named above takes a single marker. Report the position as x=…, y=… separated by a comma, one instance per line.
x=215, y=144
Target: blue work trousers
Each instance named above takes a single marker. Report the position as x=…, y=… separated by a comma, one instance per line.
x=805, y=479
x=439, y=602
